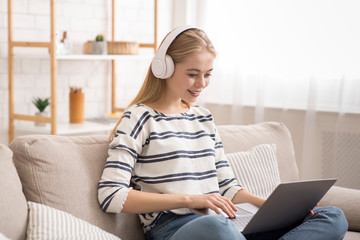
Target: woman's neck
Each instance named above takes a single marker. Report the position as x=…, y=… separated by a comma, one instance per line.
x=166, y=108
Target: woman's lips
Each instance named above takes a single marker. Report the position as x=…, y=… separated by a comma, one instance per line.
x=194, y=93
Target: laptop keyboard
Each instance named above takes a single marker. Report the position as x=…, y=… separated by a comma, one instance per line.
x=241, y=221
x=243, y=217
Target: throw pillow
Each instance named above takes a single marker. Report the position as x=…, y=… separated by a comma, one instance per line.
x=256, y=169
x=50, y=223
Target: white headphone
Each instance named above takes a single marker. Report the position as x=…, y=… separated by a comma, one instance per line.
x=162, y=64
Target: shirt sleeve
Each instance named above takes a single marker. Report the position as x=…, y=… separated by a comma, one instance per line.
x=228, y=184
x=114, y=184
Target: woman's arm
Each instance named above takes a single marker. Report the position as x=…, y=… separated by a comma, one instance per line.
x=143, y=202
x=243, y=196
x=227, y=182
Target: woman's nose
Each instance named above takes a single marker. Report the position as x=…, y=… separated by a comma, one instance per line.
x=201, y=82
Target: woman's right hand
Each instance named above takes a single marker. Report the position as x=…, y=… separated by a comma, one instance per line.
x=214, y=201
x=144, y=202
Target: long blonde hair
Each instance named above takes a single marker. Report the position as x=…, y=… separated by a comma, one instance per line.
x=185, y=44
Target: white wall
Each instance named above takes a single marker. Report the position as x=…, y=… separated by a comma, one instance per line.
x=83, y=20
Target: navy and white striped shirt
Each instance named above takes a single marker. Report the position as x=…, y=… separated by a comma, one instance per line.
x=165, y=153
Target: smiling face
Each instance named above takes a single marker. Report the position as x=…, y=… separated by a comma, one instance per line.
x=190, y=77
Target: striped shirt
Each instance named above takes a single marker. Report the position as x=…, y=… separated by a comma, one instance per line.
x=165, y=153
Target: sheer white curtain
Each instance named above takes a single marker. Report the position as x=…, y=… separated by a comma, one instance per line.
x=301, y=55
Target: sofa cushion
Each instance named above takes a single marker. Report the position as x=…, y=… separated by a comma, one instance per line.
x=256, y=170
x=63, y=172
x=49, y=223
x=347, y=200
x=13, y=206
x=237, y=138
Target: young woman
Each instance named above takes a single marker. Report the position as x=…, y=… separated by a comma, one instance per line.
x=166, y=156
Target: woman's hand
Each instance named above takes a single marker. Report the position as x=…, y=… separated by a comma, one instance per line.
x=312, y=212
x=214, y=201
x=144, y=202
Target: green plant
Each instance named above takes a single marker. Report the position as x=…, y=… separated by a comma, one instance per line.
x=99, y=38
x=41, y=104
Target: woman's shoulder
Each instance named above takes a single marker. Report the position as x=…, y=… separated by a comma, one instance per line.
x=137, y=110
x=134, y=117
x=200, y=110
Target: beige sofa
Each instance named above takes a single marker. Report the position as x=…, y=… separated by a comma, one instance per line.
x=63, y=173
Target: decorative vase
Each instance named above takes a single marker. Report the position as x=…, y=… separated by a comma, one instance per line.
x=98, y=47
x=76, y=102
x=42, y=114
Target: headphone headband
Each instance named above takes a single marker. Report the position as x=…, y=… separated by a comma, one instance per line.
x=162, y=65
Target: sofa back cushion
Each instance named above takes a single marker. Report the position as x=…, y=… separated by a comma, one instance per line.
x=63, y=172
x=13, y=205
x=237, y=138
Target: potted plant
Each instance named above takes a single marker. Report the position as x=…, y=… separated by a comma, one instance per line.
x=99, y=45
x=41, y=104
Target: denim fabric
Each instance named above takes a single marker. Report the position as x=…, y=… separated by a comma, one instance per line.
x=176, y=227
x=327, y=223
x=167, y=224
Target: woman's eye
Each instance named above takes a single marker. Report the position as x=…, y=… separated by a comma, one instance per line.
x=195, y=75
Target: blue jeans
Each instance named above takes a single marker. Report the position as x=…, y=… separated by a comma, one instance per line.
x=327, y=223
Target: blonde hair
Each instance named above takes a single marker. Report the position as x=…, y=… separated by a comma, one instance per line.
x=185, y=44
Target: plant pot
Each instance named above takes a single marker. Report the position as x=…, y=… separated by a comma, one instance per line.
x=76, y=106
x=98, y=48
x=42, y=114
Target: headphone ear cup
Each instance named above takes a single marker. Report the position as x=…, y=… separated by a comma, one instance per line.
x=170, y=67
x=157, y=67
x=162, y=69
x=162, y=65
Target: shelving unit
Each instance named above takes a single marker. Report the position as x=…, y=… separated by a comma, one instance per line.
x=88, y=127
x=51, y=46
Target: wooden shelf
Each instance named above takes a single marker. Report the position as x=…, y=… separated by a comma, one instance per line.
x=88, y=127
x=100, y=57
x=90, y=57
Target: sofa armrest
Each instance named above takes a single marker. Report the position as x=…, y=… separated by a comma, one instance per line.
x=347, y=200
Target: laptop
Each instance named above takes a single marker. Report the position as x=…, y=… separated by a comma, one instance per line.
x=287, y=205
